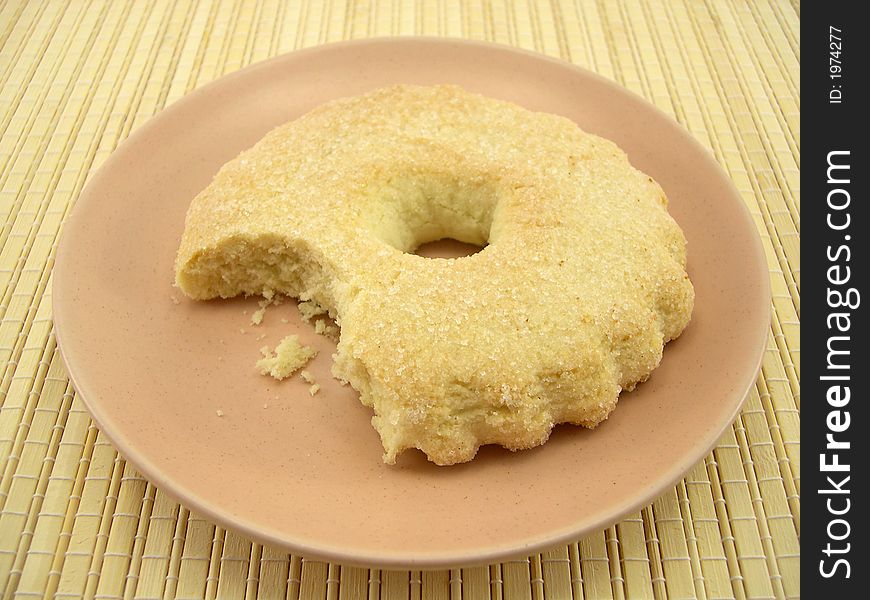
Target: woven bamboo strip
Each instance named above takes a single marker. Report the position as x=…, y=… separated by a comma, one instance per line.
x=779, y=177
x=28, y=47
x=353, y=583
x=81, y=525
x=146, y=508
x=294, y=573
x=646, y=53
x=595, y=566
x=741, y=516
x=500, y=22
x=170, y=589
x=104, y=523
x=786, y=337
x=314, y=579
x=415, y=585
x=787, y=19
x=113, y=559
x=56, y=479
x=626, y=71
x=778, y=74
x=676, y=562
x=234, y=561
x=150, y=578
x=496, y=583
x=691, y=541
x=152, y=63
x=785, y=413
x=742, y=116
x=573, y=39
x=787, y=535
x=19, y=49
x=773, y=469
x=516, y=578
x=195, y=561
x=673, y=69
x=617, y=581
x=556, y=573
x=30, y=129
x=591, y=18
x=547, y=29
x=708, y=537
x=476, y=582
x=10, y=16
x=252, y=581
x=725, y=530
x=456, y=583
x=73, y=460
x=782, y=26
x=577, y=588
x=635, y=563
x=212, y=580
x=12, y=309
x=436, y=584
x=396, y=584
x=32, y=479
x=273, y=570
x=791, y=482
x=33, y=364
x=653, y=548
x=536, y=575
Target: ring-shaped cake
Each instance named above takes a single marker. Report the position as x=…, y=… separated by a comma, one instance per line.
x=579, y=285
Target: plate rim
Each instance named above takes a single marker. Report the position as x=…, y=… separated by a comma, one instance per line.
x=425, y=560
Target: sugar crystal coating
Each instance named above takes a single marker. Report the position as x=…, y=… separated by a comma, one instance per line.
x=581, y=282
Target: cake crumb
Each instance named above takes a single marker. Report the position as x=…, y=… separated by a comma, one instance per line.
x=175, y=300
x=265, y=406
x=309, y=309
x=219, y=413
x=326, y=330
x=314, y=388
x=288, y=357
x=307, y=377
x=268, y=299
x=243, y=331
x=261, y=337
x=284, y=320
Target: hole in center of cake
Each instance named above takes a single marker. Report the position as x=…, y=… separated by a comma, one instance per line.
x=432, y=214
x=447, y=248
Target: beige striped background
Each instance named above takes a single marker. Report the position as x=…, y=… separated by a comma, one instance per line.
x=76, y=78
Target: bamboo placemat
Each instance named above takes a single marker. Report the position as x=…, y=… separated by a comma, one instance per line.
x=76, y=78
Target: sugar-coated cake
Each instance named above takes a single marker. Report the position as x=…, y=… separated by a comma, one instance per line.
x=581, y=282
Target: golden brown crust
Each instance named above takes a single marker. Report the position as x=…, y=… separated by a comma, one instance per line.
x=582, y=283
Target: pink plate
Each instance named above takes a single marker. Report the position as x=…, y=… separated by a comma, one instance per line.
x=305, y=473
